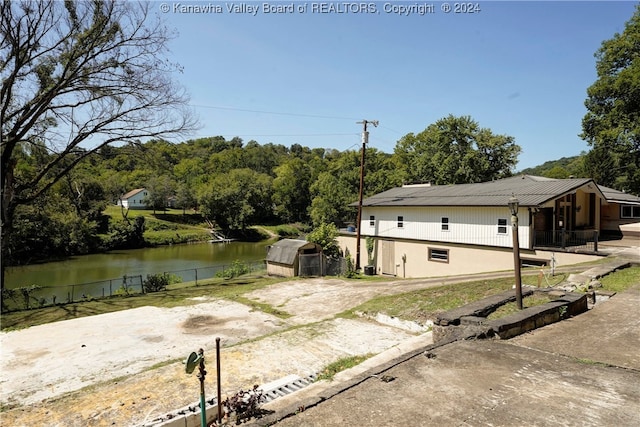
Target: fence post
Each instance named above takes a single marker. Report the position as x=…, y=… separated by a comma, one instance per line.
x=141, y=285
x=196, y=270
x=110, y=290
x=564, y=239
x=595, y=240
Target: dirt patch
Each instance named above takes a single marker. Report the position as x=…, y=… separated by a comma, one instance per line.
x=206, y=324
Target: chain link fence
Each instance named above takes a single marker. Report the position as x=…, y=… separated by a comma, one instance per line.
x=36, y=297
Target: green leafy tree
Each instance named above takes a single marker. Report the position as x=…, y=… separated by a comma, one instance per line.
x=185, y=197
x=77, y=74
x=455, y=150
x=326, y=236
x=291, y=190
x=160, y=189
x=337, y=188
x=331, y=200
x=237, y=199
x=612, y=123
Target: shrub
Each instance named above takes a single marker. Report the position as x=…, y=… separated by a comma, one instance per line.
x=238, y=268
x=155, y=283
x=159, y=282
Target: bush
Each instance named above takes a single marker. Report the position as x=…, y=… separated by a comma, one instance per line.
x=155, y=283
x=238, y=268
x=159, y=282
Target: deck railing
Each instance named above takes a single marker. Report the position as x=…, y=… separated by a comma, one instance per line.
x=569, y=240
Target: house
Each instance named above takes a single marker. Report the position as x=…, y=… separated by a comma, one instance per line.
x=292, y=257
x=134, y=199
x=423, y=230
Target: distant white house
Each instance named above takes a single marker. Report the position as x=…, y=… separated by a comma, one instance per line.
x=134, y=199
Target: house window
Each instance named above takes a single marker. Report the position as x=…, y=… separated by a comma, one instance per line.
x=400, y=221
x=445, y=224
x=438, y=255
x=372, y=221
x=629, y=211
x=502, y=226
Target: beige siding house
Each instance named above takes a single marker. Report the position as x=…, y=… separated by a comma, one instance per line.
x=423, y=230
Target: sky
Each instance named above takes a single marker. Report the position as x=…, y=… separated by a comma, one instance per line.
x=306, y=74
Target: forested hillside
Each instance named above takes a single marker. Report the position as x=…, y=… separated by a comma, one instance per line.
x=564, y=167
x=234, y=184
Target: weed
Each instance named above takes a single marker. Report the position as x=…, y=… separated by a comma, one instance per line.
x=340, y=365
x=244, y=404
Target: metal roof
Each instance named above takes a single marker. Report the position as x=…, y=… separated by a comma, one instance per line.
x=530, y=191
x=613, y=195
x=131, y=193
x=285, y=251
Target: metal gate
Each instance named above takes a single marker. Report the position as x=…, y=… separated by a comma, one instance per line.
x=310, y=264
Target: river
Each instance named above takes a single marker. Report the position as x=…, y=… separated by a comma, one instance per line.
x=99, y=269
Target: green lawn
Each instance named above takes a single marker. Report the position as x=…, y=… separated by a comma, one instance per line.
x=166, y=227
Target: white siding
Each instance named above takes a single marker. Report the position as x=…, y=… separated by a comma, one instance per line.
x=467, y=225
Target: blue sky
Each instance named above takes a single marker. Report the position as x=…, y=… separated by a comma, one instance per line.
x=518, y=68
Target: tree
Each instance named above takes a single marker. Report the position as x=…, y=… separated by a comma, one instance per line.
x=337, y=188
x=291, y=190
x=456, y=150
x=612, y=123
x=78, y=73
x=237, y=199
x=161, y=189
x=326, y=235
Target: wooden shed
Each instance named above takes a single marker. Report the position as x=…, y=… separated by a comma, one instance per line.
x=292, y=257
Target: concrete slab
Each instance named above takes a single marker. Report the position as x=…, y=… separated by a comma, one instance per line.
x=584, y=371
x=608, y=333
x=484, y=383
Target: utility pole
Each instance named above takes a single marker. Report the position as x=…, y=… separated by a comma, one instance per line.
x=365, y=140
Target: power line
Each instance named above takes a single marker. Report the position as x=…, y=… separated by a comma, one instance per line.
x=279, y=113
x=292, y=134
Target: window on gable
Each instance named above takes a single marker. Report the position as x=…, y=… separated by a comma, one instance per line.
x=438, y=255
x=629, y=211
x=372, y=221
x=400, y=221
x=445, y=224
x=502, y=226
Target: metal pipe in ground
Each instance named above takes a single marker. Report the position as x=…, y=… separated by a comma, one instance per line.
x=218, y=381
x=201, y=375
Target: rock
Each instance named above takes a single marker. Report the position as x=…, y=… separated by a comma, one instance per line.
x=595, y=284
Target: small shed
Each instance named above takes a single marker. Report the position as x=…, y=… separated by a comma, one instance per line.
x=292, y=257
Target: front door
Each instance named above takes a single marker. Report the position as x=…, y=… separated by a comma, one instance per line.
x=388, y=257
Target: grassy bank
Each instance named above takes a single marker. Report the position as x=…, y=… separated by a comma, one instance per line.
x=172, y=226
x=426, y=304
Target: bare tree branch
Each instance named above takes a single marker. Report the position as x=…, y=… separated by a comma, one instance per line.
x=77, y=76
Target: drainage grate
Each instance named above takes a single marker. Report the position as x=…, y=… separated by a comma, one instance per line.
x=189, y=415
x=285, y=386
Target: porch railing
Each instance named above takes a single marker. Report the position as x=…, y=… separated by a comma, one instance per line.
x=571, y=240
